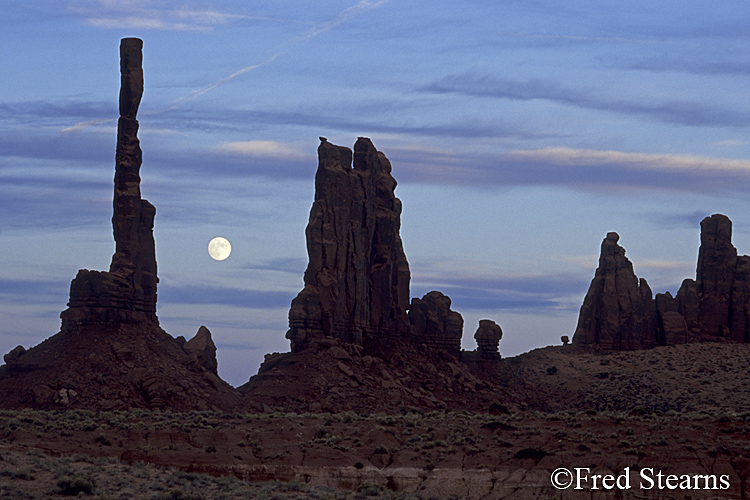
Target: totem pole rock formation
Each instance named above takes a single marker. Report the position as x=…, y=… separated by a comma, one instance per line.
x=127, y=293
x=357, y=280
x=618, y=312
x=110, y=353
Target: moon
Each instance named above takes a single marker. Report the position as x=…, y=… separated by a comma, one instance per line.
x=219, y=248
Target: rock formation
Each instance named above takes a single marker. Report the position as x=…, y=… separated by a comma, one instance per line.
x=434, y=325
x=357, y=280
x=111, y=353
x=715, y=307
x=127, y=293
x=617, y=313
x=203, y=348
x=488, y=337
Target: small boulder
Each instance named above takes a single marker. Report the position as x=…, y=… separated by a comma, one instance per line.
x=434, y=324
x=488, y=337
x=14, y=354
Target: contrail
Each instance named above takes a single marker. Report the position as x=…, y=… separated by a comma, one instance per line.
x=317, y=30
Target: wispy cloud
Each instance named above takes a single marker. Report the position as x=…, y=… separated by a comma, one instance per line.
x=267, y=149
x=674, y=111
x=317, y=30
x=731, y=143
x=665, y=265
x=492, y=289
x=689, y=220
x=689, y=63
x=149, y=19
x=586, y=169
x=142, y=14
x=24, y=291
x=193, y=294
x=644, y=161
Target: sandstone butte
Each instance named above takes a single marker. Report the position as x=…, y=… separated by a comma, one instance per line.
x=619, y=312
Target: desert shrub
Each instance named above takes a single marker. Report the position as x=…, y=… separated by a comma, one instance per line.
x=75, y=485
x=178, y=494
x=388, y=420
x=533, y=453
x=11, y=491
x=80, y=457
x=370, y=489
x=23, y=474
x=102, y=439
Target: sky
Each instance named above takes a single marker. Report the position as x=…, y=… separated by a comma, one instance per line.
x=520, y=133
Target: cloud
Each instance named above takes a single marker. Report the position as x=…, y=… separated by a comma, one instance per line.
x=195, y=294
x=638, y=161
x=36, y=291
x=267, y=149
x=689, y=220
x=731, y=143
x=289, y=265
x=488, y=289
x=55, y=113
x=584, y=169
x=689, y=63
x=680, y=112
x=141, y=14
x=342, y=117
x=665, y=265
x=587, y=169
x=284, y=48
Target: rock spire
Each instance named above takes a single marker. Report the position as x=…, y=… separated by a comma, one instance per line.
x=127, y=293
x=110, y=353
x=357, y=280
x=617, y=313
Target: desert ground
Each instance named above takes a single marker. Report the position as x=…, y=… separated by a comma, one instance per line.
x=681, y=410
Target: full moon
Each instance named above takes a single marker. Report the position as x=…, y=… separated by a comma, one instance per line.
x=219, y=248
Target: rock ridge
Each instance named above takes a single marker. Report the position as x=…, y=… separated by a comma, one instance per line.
x=619, y=313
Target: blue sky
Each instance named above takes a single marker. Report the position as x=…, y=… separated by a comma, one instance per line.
x=520, y=133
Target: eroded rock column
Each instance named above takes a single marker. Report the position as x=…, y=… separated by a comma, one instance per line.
x=127, y=293
x=618, y=312
x=357, y=280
